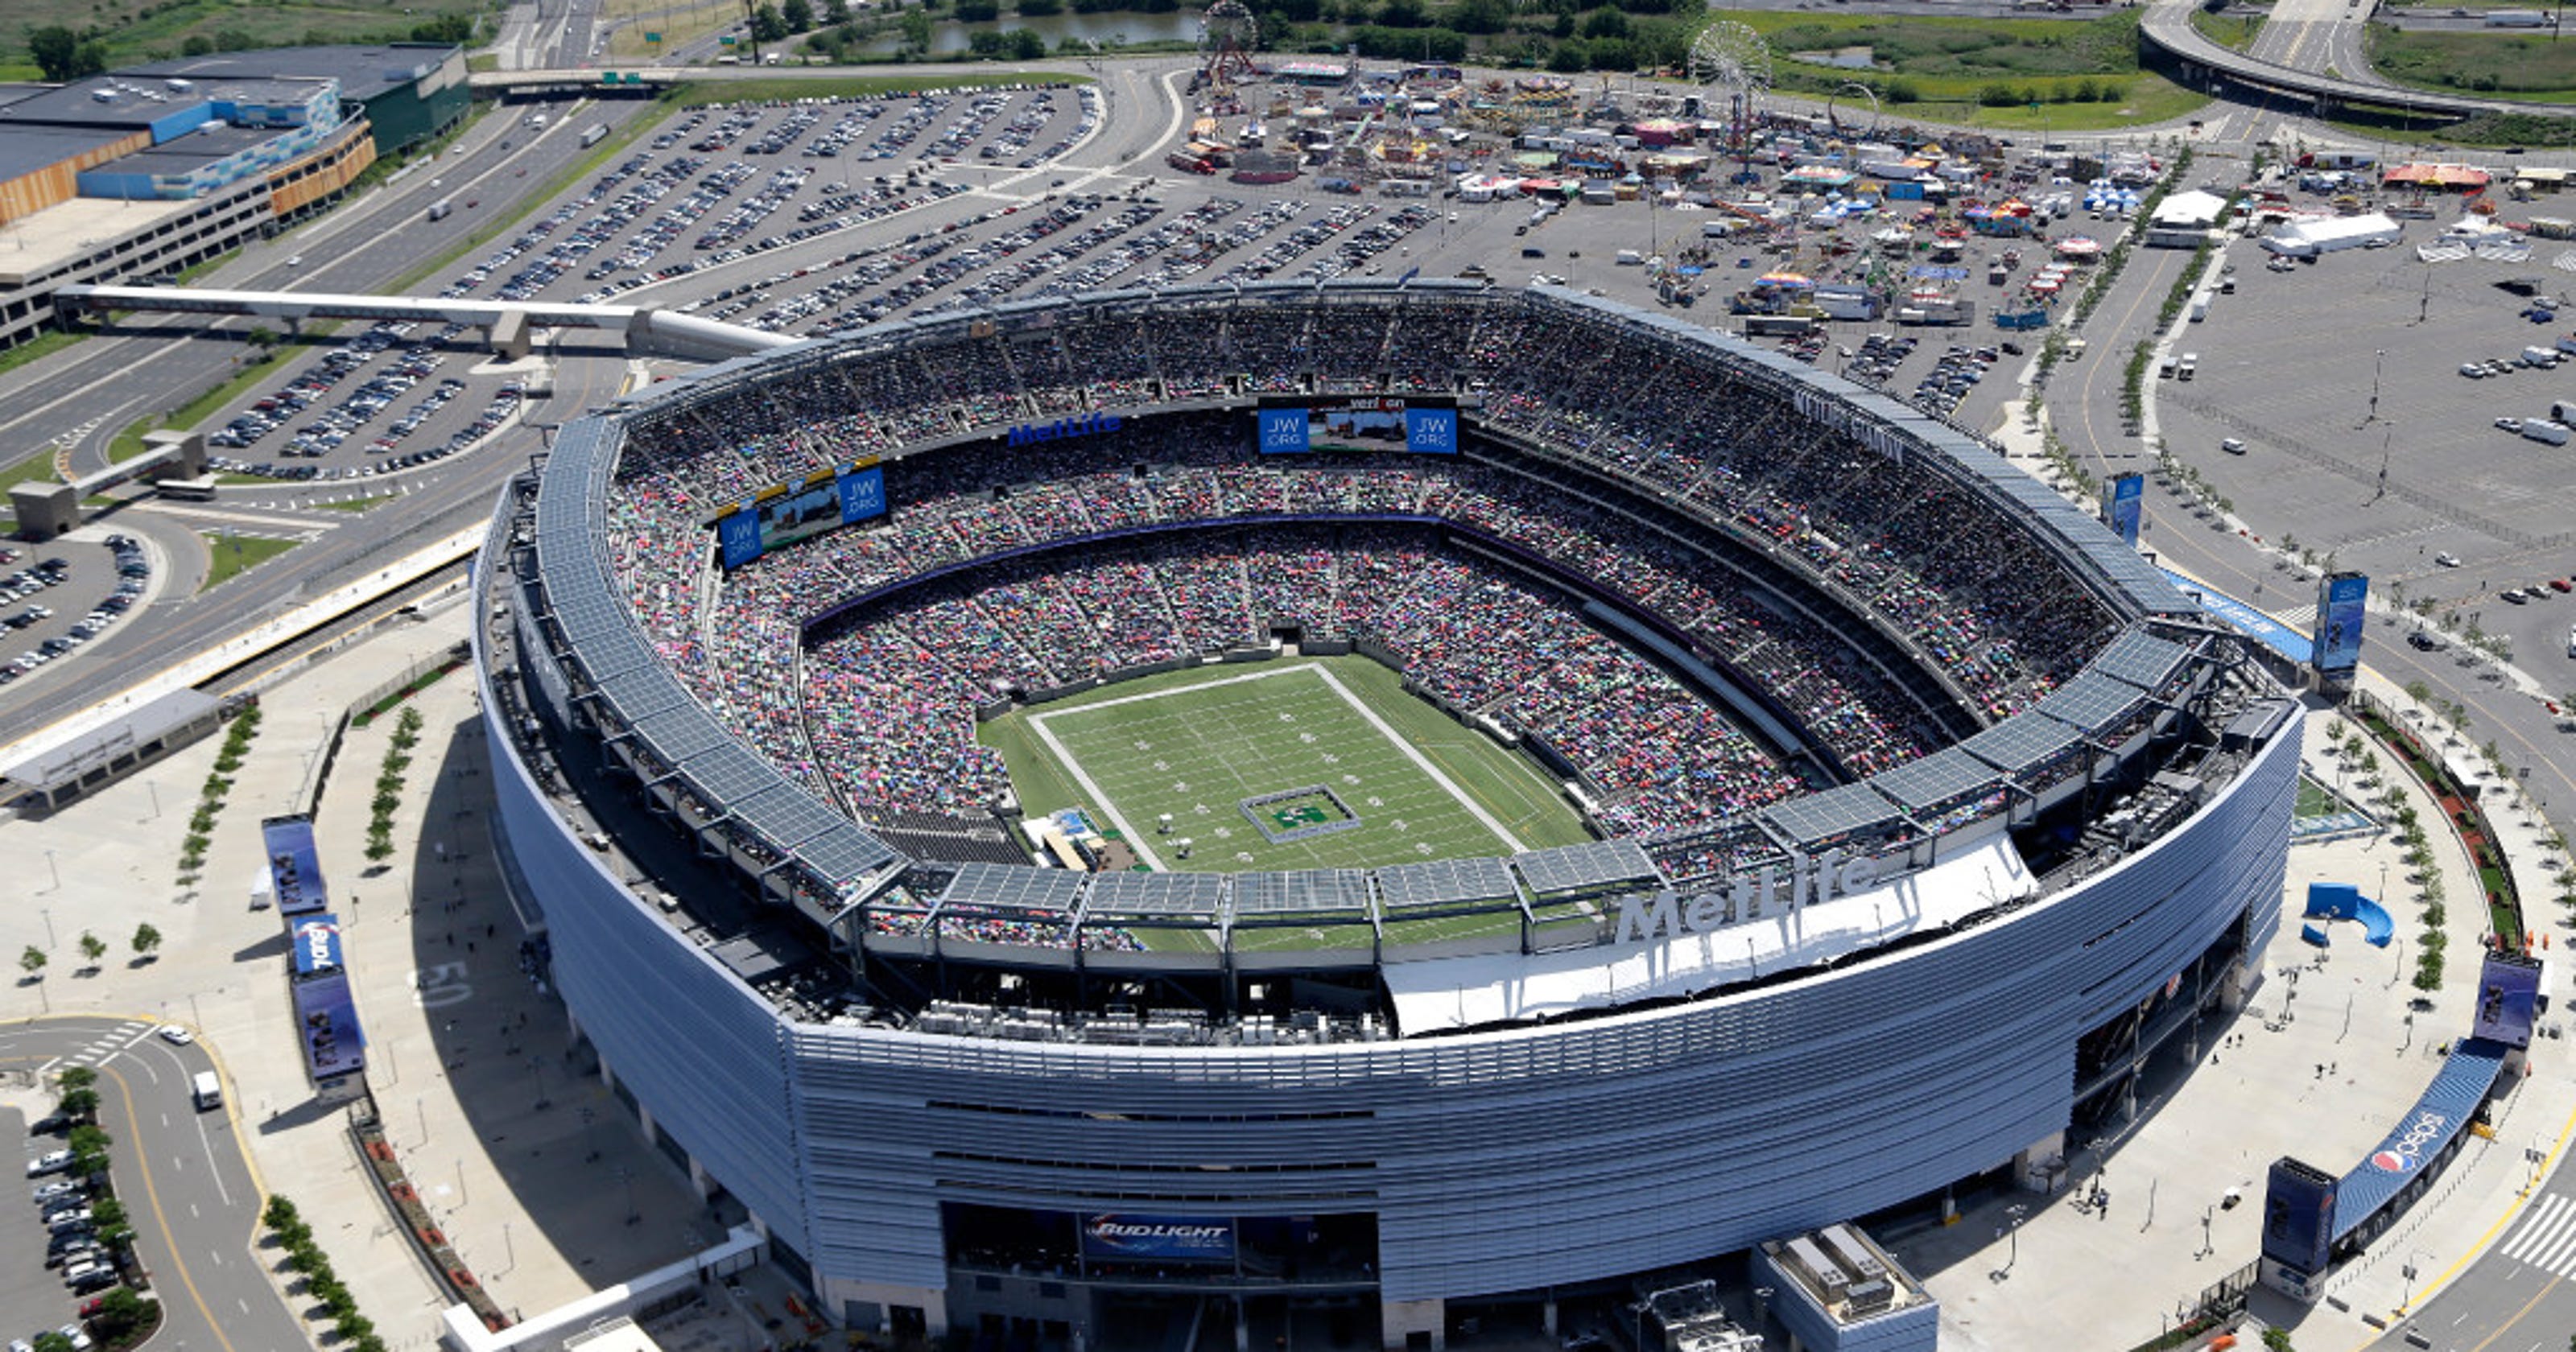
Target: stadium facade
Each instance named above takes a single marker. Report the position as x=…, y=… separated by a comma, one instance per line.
x=1651, y=1052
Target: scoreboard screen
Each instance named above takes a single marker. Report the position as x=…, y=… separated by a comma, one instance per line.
x=1367, y=423
x=782, y=515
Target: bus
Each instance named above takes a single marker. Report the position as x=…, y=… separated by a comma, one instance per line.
x=438, y=210
x=594, y=136
x=199, y=489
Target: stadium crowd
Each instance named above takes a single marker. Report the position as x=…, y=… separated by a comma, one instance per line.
x=880, y=714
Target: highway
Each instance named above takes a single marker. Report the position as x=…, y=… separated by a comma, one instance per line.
x=2298, y=61
x=187, y=1188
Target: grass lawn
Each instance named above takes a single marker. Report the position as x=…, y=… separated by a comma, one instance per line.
x=136, y=31
x=679, y=24
x=2510, y=65
x=128, y=444
x=236, y=554
x=1414, y=784
x=39, y=465
x=2228, y=30
x=2145, y=99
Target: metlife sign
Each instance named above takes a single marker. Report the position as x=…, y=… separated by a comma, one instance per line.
x=1129, y=1237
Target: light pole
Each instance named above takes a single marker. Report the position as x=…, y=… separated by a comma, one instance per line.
x=2012, y=1221
x=2378, y=358
x=57, y=867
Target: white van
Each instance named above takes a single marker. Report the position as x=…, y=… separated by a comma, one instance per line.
x=2563, y=411
x=2189, y=367
x=2541, y=429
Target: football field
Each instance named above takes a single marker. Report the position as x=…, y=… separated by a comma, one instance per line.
x=1316, y=763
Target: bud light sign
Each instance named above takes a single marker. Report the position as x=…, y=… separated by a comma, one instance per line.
x=1158, y=1239
x=317, y=945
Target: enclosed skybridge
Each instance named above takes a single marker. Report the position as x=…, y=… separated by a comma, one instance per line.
x=645, y=331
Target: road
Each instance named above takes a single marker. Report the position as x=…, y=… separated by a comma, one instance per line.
x=189, y=1192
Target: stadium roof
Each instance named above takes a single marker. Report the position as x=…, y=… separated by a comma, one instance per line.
x=1312, y=891
x=1013, y=887
x=1146, y=895
x=1585, y=868
x=2092, y=701
x=1838, y=814
x=1931, y=782
x=1445, y=882
x=2143, y=660
x=2019, y=745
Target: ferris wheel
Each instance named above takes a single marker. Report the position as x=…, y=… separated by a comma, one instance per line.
x=1227, y=36
x=1733, y=63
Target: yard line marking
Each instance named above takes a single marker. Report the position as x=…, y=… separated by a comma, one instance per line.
x=1422, y=762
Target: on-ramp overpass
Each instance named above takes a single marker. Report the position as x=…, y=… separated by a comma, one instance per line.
x=2166, y=27
x=647, y=331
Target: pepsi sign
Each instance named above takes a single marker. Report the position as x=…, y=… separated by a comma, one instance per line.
x=316, y=944
x=2404, y=1151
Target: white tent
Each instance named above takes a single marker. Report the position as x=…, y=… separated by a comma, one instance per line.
x=2326, y=234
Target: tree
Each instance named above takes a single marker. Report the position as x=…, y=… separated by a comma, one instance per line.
x=120, y=1312
x=767, y=24
x=799, y=15
x=77, y=1077
x=61, y=55
x=92, y=947
x=32, y=961
x=147, y=941
x=2276, y=1340
x=52, y=1341
x=78, y=1105
x=916, y=28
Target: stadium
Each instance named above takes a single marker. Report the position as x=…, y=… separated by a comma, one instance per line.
x=1528, y=795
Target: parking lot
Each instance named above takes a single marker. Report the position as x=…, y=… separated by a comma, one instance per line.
x=2470, y=508
x=50, y=1262
x=59, y=596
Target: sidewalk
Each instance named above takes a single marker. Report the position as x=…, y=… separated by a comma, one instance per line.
x=521, y=1155
x=2324, y=1058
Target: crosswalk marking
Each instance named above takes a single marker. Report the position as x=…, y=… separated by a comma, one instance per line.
x=2547, y=1240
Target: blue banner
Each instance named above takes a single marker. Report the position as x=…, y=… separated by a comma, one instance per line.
x=1283, y=432
x=315, y=942
x=2508, y=999
x=1158, y=1239
x=2271, y=633
x=2124, y=500
x=294, y=866
x=862, y=494
x=1433, y=431
x=738, y=537
x=326, y=1023
x=2342, y=613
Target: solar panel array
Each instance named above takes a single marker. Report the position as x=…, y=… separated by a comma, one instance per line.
x=1013, y=887
x=1147, y=895
x=1309, y=891
x=1445, y=882
x=1593, y=867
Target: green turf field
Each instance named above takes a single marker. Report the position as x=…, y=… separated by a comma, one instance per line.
x=2315, y=800
x=1197, y=744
